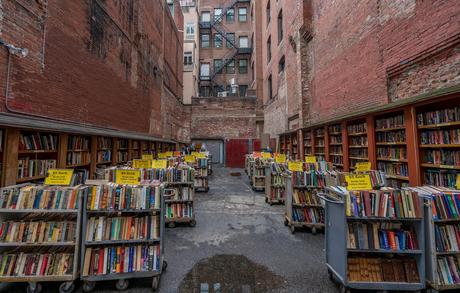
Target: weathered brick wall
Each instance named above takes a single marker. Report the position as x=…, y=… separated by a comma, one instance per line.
x=97, y=62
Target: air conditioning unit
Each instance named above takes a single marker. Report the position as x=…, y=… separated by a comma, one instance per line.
x=222, y=94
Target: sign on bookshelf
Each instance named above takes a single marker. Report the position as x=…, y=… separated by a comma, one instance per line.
x=358, y=182
x=142, y=164
x=190, y=159
x=147, y=157
x=128, y=177
x=363, y=166
x=266, y=155
x=280, y=158
x=59, y=177
x=160, y=164
x=295, y=166
x=310, y=159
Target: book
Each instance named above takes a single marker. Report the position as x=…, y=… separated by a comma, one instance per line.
x=308, y=215
x=37, y=142
x=446, y=115
x=40, y=197
x=26, y=231
x=31, y=168
x=21, y=264
x=379, y=269
x=179, y=210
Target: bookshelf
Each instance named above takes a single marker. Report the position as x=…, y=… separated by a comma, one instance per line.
x=335, y=146
x=282, y=148
x=294, y=146
x=258, y=174
x=275, y=183
x=357, y=143
x=307, y=143
x=123, y=229
x=122, y=151
x=77, y=151
x=320, y=144
x=201, y=179
x=40, y=226
x=371, y=248
x=2, y=135
x=135, y=151
x=439, y=143
x=391, y=149
x=288, y=145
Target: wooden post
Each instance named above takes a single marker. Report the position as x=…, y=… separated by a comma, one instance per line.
x=346, y=159
x=326, y=144
x=93, y=158
x=114, y=151
x=413, y=158
x=301, y=149
x=10, y=162
x=371, y=146
x=62, y=150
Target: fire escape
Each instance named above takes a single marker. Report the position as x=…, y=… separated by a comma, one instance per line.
x=234, y=51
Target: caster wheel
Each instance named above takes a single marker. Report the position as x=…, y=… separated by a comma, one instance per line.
x=165, y=265
x=266, y=200
x=292, y=229
x=329, y=274
x=34, y=288
x=286, y=222
x=344, y=289
x=89, y=286
x=271, y=204
x=171, y=225
x=67, y=287
x=155, y=283
x=313, y=231
x=192, y=223
x=122, y=284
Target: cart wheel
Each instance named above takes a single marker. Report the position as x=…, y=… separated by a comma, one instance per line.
x=171, y=225
x=34, y=288
x=165, y=265
x=207, y=189
x=155, y=283
x=266, y=200
x=329, y=274
x=286, y=222
x=66, y=287
x=271, y=203
x=89, y=286
x=313, y=230
x=292, y=229
x=344, y=289
x=192, y=223
x=122, y=284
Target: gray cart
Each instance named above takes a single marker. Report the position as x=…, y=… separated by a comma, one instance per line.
x=269, y=186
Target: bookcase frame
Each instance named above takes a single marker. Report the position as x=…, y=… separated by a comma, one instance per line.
x=258, y=185
x=191, y=221
x=204, y=179
x=337, y=251
x=269, y=186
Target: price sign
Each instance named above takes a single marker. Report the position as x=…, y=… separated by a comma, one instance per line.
x=358, y=182
x=195, y=154
x=142, y=164
x=363, y=167
x=310, y=159
x=160, y=164
x=147, y=157
x=176, y=154
x=295, y=166
x=190, y=159
x=266, y=155
x=59, y=177
x=458, y=181
x=162, y=156
x=169, y=154
x=129, y=177
x=280, y=158
x=256, y=154
x=200, y=155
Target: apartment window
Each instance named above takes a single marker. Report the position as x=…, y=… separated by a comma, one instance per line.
x=218, y=89
x=281, y=65
x=205, y=91
x=243, y=66
x=188, y=58
x=231, y=67
x=244, y=42
x=204, y=70
x=217, y=14
x=206, y=16
x=231, y=15
x=243, y=90
x=230, y=40
x=269, y=87
x=242, y=14
x=218, y=66
x=205, y=41
x=268, y=12
x=280, y=27
x=218, y=41
x=269, y=49
x=190, y=30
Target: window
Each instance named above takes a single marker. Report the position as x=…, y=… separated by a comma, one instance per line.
x=270, y=90
x=230, y=40
x=242, y=14
x=231, y=15
x=268, y=12
x=206, y=16
x=280, y=27
x=281, y=65
x=244, y=42
x=218, y=89
x=269, y=49
x=218, y=41
x=218, y=66
x=243, y=66
x=217, y=14
x=205, y=91
x=243, y=90
x=205, y=41
x=204, y=70
x=231, y=67
x=188, y=59
x=190, y=30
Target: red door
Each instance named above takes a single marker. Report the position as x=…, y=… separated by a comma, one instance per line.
x=256, y=145
x=235, y=149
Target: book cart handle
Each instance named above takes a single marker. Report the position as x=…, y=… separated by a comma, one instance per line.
x=324, y=197
x=169, y=192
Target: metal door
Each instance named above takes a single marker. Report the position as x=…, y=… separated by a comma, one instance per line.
x=235, y=149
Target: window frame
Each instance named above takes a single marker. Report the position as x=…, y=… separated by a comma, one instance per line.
x=240, y=67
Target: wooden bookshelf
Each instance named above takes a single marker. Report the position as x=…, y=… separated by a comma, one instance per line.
x=358, y=148
x=294, y=146
x=307, y=143
x=121, y=151
x=320, y=143
x=335, y=145
x=134, y=150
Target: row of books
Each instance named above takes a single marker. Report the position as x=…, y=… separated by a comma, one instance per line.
x=135, y=144
x=32, y=168
x=439, y=116
x=397, y=169
x=367, y=269
x=445, y=205
x=394, y=153
x=78, y=143
x=310, y=215
x=153, y=174
x=122, y=156
x=357, y=128
x=337, y=128
x=451, y=136
x=122, y=197
x=180, y=174
x=336, y=150
x=321, y=166
x=358, y=141
x=278, y=181
x=202, y=163
x=305, y=197
x=121, y=259
x=319, y=132
x=337, y=160
x=104, y=143
x=201, y=172
x=122, y=143
x=201, y=183
x=391, y=203
x=36, y=264
x=447, y=237
x=390, y=122
x=180, y=193
x=441, y=157
x=445, y=178
x=122, y=228
x=319, y=143
x=448, y=268
x=37, y=231
x=104, y=156
x=38, y=141
x=179, y=210
x=335, y=139
x=39, y=197
x=259, y=172
x=77, y=158
x=391, y=136
x=358, y=153
x=277, y=193
x=381, y=236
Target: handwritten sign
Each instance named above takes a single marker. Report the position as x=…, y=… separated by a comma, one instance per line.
x=363, y=167
x=147, y=157
x=266, y=155
x=256, y=154
x=142, y=164
x=190, y=159
x=169, y=154
x=160, y=164
x=200, y=156
x=176, y=154
x=195, y=154
x=280, y=158
x=310, y=159
x=358, y=182
x=458, y=181
x=59, y=177
x=162, y=156
x=295, y=166
x=129, y=177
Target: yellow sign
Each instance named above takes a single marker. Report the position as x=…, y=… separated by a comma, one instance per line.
x=358, y=182
x=160, y=164
x=147, y=157
x=59, y=177
x=162, y=156
x=176, y=154
x=266, y=155
x=256, y=154
x=295, y=166
x=169, y=154
x=458, y=181
x=200, y=155
x=310, y=159
x=142, y=164
x=129, y=177
x=190, y=159
x=363, y=167
x=280, y=158
x=195, y=154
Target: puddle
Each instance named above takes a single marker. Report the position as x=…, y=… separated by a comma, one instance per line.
x=230, y=273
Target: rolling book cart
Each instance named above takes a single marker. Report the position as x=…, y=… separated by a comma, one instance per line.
x=275, y=183
x=258, y=175
x=209, y=164
x=123, y=234
x=201, y=180
x=40, y=235
x=375, y=239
